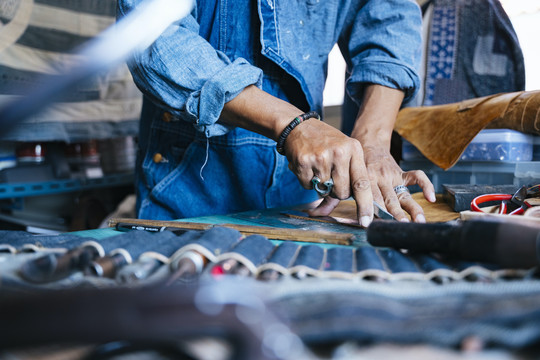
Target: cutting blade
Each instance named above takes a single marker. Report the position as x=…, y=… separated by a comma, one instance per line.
x=381, y=213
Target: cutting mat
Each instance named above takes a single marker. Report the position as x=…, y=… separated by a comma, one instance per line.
x=440, y=211
x=437, y=212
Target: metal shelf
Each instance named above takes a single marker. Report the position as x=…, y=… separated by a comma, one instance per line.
x=19, y=190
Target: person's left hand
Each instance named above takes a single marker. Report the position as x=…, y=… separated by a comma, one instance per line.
x=385, y=175
x=373, y=128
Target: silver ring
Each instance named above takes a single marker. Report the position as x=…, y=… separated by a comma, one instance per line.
x=328, y=185
x=400, y=189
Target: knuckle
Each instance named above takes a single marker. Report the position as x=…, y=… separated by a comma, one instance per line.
x=340, y=153
x=306, y=185
x=389, y=203
x=403, y=196
x=341, y=194
x=302, y=162
x=320, y=158
x=361, y=185
x=356, y=146
x=373, y=176
x=416, y=173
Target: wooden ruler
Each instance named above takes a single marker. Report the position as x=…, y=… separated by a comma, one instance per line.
x=325, y=237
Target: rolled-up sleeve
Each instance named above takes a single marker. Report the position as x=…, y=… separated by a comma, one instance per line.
x=384, y=47
x=185, y=75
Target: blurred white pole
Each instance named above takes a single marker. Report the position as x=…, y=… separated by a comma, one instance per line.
x=136, y=31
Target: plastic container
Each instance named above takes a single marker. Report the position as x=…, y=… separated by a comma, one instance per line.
x=536, y=148
x=118, y=155
x=478, y=173
x=30, y=153
x=488, y=145
x=527, y=173
x=8, y=158
x=84, y=159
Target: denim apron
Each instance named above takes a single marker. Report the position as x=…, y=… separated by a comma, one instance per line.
x=187, y=167
x=182, y=173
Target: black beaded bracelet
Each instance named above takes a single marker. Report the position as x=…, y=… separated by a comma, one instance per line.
x=296, y=121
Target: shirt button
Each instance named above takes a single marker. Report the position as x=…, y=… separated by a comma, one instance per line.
x=166, y=117
x=157, y=158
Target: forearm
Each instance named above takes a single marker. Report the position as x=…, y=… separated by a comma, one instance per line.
x=257, y=111
x=377, y=115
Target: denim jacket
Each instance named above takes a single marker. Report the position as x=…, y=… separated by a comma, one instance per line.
x=206, y=59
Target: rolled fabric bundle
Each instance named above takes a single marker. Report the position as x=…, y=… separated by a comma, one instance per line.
x=442, y=132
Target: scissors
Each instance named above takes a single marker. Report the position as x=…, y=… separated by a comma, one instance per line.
x=509, y=204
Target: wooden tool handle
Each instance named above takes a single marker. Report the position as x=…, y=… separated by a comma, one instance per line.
x=325, y=237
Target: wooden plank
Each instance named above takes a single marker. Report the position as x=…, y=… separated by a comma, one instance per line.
x=434, y=212
x=325, y=237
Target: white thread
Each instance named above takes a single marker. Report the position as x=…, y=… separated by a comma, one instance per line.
x=206, y=159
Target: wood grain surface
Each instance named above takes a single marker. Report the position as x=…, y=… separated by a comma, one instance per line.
x=324, y=237
x=437, y=212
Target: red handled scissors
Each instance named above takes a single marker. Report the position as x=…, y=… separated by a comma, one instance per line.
x=509, y=204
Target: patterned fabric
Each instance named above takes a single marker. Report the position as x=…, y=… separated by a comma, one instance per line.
x=471, y=50
x=442, y=51
x=39, y=37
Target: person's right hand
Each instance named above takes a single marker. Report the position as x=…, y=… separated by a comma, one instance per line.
x=315, y=148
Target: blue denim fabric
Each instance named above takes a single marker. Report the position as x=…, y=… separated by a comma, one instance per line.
x=502, y=315
x=284, y=254
x=472, y=51
x=256, y=248
x=367, y=259
x=396, y=261
x=339, y=259
x=21, y=239
x=208, y=58
x=310, y=256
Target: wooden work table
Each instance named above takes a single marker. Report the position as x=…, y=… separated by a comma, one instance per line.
x=434, y=212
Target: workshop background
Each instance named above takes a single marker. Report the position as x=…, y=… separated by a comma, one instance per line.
x=69, y=167
x=67, y=173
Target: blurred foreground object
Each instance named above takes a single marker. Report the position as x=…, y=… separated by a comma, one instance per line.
x=442, y=132
x=72, y=67
x=153, y=318
x=491, y=240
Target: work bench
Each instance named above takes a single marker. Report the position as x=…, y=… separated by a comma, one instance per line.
x=328, y=301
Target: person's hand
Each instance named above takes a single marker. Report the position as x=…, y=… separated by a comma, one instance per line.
x=373, y=130
x=385, y=175
x=314, y=148
x=360, y=165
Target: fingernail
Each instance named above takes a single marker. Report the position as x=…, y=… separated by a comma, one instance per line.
x=365, y=221
x=406, y=220
x=432, y=197
x=420, y=218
